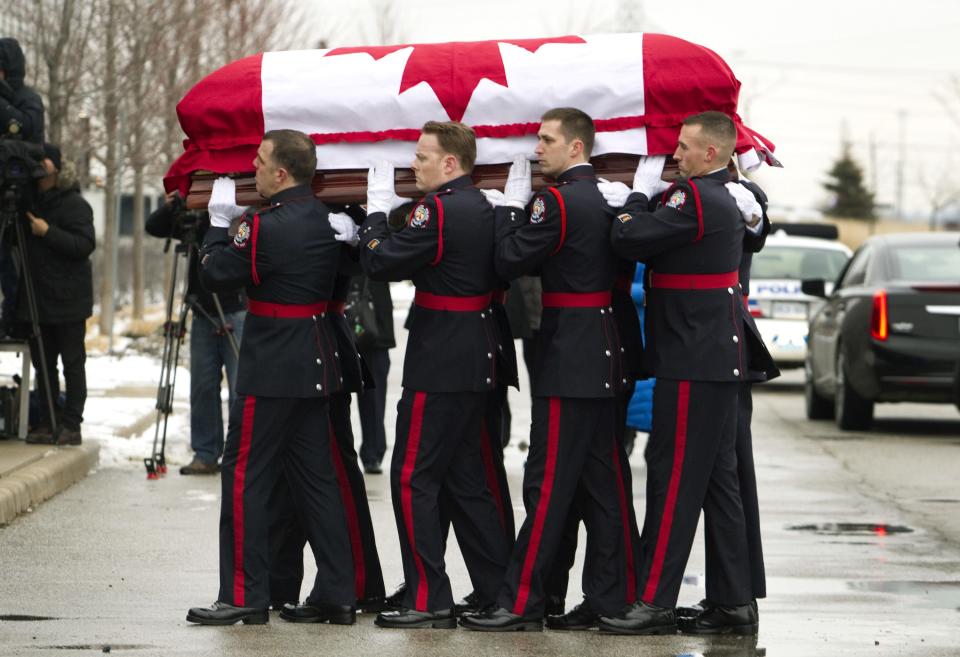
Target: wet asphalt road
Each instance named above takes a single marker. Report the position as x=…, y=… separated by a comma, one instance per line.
x=861, y=531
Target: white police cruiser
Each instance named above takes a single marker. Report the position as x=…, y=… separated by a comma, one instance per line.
x=778, y=306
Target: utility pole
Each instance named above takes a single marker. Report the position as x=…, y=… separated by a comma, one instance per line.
x=901, y=159
x=874, y=176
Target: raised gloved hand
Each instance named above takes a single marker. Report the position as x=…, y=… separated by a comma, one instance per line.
x=615, y=193
x=747, y=203
x=344, y=227
x=494, y=197
x=381, y=194
x=519, y=189
x=223, y=206
x=647, y=178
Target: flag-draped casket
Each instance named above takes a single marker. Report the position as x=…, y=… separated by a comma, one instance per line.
x=361, y=105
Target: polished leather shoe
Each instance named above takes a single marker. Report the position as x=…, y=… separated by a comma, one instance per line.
x=469, y=605
x=554, y=606
x=319, y=612
x=693, y=610
x=395, y=600
x=371, y=605
x=199, y=467
x=640, y=618
x=413, y=619
x=500, y=620
x=220, y=613
x=581, y=617
x=718, y=619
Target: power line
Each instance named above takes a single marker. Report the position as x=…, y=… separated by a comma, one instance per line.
x=844, y=69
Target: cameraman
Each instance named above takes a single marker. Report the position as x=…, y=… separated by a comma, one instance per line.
x=59, y=245
x=210, y=348
x=18, y=102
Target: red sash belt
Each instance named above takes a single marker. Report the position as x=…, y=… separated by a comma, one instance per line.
x=286, y=310
x=575, y=299
x=694, y=281
x=457, y=304
x=337, y=306
x=624, y=283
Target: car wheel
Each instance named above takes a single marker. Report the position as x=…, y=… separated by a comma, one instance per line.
x=851, y=411
x=818, y=407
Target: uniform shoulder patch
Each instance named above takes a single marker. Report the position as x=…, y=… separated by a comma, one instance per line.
x=624, y=217
x=373, y=244
x=677, y=199
x=420, y=216
x=243, y=234
x=538, y=211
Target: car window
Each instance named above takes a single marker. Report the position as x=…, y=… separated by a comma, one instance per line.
x=856, y=273
x=932, y=262
x=796, y=262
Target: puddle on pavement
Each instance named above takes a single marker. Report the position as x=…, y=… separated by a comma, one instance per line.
x=25, y=617
x=103, y=647
x=932, y=594
x=727, y=646
x=852, y=529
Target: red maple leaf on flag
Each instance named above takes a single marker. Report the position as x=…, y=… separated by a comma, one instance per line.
x=453, y=70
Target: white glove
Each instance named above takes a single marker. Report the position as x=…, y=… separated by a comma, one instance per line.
x=747, y=203
x=223, y=206
x=519, y=189
x=615, y=193
x=494, y=197
x=647, y=178
x=381, y=196
x=345, y=229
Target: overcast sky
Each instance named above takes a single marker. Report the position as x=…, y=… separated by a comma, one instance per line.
x=811, y=72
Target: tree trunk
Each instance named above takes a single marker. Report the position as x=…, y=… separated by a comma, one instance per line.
x=110, y=116
x=138, y=263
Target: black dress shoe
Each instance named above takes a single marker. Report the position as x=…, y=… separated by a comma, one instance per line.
x=413, y=619
x=319, y=612
x=640, y=618
x=469, y=605
x=501, y=620
x=718, y=619
x=395, y=599
x=693, y=610
x=220, y=613
x=554, y=606
x=371, y=605
x=581, y=617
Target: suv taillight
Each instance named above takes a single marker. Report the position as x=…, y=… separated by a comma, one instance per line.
x=878, y=318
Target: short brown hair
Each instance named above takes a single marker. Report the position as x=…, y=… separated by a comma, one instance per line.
x=716, y=126
x=454, y=138
x=574, y=124
x=294, y=151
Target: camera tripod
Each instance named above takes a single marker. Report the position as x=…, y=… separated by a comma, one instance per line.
x=12, y=219
x=173, y=332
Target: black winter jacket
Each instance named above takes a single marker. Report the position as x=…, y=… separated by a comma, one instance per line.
x=23, y=105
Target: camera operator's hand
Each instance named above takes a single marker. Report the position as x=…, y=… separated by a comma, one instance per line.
x=223, y=206
x=38, y=226
x=6, y=91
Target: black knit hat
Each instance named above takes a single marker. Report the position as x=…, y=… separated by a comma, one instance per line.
x=52, y=153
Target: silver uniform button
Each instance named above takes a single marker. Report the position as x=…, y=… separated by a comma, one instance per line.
x=610, y=308
x=736, y=339
x=621, y=350
x=341, y=379
x=736, y=372
x=488, y=379
x=603, y=312
x=483, y=315
x=489, y=355
x=607, y=353
x=323, y=314
x=730, y=290
x=606, y=385
x=313, y=317
x=337, y=354
x=318, y=362
x=319, y=387
x=624, y=380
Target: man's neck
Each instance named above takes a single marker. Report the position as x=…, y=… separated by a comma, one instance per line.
x=571, y=165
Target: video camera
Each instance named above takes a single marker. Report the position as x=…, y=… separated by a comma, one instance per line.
x=186, y=222
x=21, y=165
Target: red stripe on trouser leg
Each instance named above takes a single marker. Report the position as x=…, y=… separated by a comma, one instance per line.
x=490, y=469
x=239, y=478
x=663, y=536
x=543, y=503
x=350, y=509
x=406, y=494
x=625, y=519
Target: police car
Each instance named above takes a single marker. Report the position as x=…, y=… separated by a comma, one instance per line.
x=776, y=302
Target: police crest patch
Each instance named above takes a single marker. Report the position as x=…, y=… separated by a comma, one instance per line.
x=625, y=217
x=372, y=244
x=242, y=236
x=538, y=211
x=677, y=199
x=420, y=216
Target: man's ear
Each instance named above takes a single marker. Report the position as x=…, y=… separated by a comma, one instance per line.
x=576, y=148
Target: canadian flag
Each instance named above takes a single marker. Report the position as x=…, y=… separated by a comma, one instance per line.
x=361, y=105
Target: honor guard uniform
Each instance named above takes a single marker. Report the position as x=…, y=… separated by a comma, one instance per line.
x=450, y=367
x=287, y=258
x=746, y=472
x=701, y=344
x=578, y=374
x=287, y=536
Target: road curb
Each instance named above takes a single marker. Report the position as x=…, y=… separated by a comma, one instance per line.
x=40, y=480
